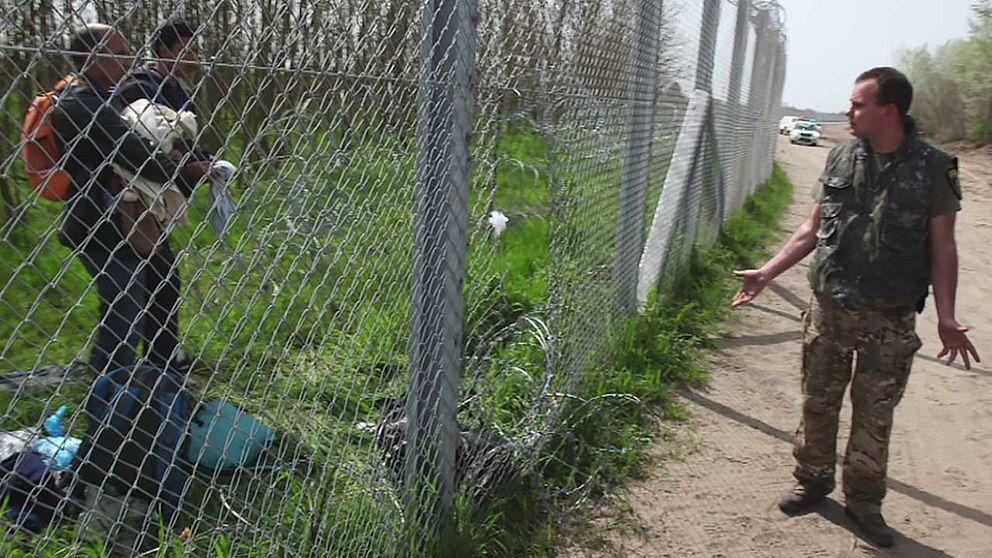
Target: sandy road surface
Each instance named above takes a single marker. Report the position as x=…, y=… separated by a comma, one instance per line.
x=719, y=500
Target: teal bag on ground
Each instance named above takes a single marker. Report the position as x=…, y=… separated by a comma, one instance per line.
x=222, y=437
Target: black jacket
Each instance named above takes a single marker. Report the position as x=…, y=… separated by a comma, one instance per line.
x=148, y=82
x=92, y=134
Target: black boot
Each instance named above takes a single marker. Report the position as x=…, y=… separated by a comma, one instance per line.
x=803, y=497
x=873, y=526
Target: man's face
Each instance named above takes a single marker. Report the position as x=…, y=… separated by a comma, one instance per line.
x=110, y=63
x=183, y=58
x=865, y=115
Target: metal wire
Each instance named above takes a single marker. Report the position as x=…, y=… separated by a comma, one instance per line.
x=443, y=210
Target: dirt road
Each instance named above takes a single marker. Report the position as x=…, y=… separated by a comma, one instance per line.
x=719, y=499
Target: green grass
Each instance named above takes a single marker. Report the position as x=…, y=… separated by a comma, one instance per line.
x=613, y=415
x=301, y=315
x=660, y=349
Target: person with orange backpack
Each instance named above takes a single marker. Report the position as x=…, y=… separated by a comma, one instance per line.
x=76, y=146
x=114, y=238
x=160, y=82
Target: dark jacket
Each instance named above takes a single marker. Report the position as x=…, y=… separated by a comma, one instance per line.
x=872, y=244
x=92, y=134
x=149, y=82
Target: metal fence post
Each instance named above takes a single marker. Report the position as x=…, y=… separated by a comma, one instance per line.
x=709, y=176
x=734, y=101
x=640, y=127
x=676, y=196
x=774, y=74
x=776, y=90
x=707, y=44
x=772, y=110
x=758, y=91
x=766, y=143
x=440, y=237
x=740, y=49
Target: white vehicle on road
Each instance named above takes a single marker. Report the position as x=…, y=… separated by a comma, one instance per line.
x=805, y=133
x=816, y=124
x=785, y=125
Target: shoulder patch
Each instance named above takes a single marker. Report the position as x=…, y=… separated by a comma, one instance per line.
x=952, y=178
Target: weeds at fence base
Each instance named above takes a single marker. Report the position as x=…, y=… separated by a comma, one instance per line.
x=602, y=426
x=615, y=413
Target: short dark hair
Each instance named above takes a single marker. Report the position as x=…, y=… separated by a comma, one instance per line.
x=171, y=33
x=84, y=40
x=893, y=87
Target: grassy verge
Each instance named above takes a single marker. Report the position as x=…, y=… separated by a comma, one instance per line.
x=655, y=353
x=301, y=316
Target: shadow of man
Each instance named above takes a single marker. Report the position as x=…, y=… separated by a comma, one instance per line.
x=905, y=547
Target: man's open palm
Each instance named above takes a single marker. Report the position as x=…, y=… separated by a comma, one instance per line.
x=955, y=342
x=754, y=283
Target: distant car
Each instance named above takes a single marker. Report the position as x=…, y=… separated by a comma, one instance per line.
x=785, y=125
x=805, y=133
x=816, y=124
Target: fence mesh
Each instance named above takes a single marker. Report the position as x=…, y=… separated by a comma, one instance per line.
x=443, y=210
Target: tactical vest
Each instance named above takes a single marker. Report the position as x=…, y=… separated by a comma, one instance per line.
x=872, y=245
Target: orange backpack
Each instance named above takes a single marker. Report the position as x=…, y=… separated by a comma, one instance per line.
x=40, y=149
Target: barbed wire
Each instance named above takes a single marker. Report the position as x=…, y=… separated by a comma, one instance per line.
x=544, y=165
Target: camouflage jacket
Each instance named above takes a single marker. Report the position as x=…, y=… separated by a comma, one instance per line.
x=872, y=246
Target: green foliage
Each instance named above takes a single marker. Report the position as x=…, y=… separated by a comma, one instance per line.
x=613, y=412
x=34, y=268
x=659, y=349
x=953, y=84
x=302, y=316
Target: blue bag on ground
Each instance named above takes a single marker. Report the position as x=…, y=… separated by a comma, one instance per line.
x=223, y=437
x=30, y=489
x=139, y=418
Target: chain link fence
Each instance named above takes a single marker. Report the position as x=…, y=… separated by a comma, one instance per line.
x=443, y=211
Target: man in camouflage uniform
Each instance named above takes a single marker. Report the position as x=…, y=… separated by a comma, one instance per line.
x=883, y=230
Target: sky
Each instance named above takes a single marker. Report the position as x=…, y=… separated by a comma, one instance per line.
x=832, y=41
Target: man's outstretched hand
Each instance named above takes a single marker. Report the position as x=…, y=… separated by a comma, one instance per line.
x=955, y=340
x=754, y=282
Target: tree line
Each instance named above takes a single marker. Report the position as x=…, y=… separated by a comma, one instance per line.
x=953, y=83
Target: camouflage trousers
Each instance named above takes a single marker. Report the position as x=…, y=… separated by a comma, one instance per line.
x=884, y=342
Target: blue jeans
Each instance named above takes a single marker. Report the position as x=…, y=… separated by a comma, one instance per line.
x=139, y=300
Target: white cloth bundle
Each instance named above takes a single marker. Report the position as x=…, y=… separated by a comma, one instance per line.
x=162, y=126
